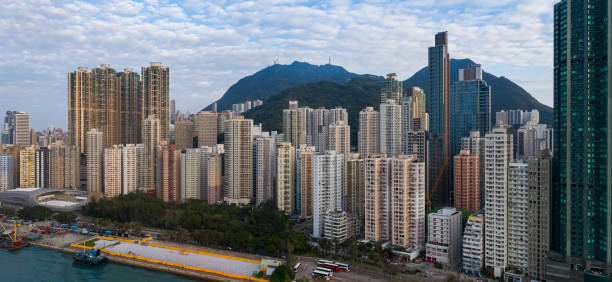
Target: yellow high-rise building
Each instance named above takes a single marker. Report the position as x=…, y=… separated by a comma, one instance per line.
x=27, y=167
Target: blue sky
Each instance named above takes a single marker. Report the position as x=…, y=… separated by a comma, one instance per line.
x=210, y=45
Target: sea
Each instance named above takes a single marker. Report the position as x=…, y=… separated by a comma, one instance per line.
x=36, y=264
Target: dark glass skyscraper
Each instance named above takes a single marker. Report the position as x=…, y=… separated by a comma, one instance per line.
x=438, y=107
x=582, y=187
x=470, y=106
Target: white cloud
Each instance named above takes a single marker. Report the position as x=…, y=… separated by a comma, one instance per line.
x=210, y=45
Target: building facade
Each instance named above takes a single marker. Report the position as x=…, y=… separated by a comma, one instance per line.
x=328, y=188
x=369, y=132
x=156, y=96
x=473, y=244
x=285, y=176
x=438, y=108
x=238, y=179
x=467, y=181
x=207, y=128
x=498, y=153
x=445, y=240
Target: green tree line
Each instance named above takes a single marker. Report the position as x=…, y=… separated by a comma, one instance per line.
x=262, y=228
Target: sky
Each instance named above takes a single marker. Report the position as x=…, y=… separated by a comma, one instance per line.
x=208, y=46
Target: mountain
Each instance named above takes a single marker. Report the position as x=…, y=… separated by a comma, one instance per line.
x=364, y=90
x=353, y=96
x=272, y=80
x=505, y=94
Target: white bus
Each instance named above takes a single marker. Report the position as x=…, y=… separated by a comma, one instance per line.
x=343, y=266
x=322, y=261
x=323, y=269
x=297, y=266
x=320, y=275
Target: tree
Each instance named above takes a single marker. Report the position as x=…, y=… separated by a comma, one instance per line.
x=65, y=217
x=282, y=274
x=35, y=213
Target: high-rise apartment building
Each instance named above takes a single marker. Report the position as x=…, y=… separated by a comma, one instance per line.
x=151, y=138
x=392, y=89
x=238, y=180
x=355, y=192
x=532, y=138
x=6, y=172
x=475, y=144
x=582, y=186
x=377, y=199
x=369, y=132
x=57, y=169
x=27, y=167
x=304, y=160
x=415, y=143
x=395, y=200
x=112, y=171
x=390, y=128
x=473, y=244
x=156, y=96
x=445, y=240
x=338, y=135
x=94, y=152
x=42, y=169
x=79, y=109
x=183, y=134
x=417, y=113
x=131, y=162
x=265, y=167
x=211, y=181
x=539, y=213
x=105, y=101
x=130, y=114
x=470, y=106
x=438, y=108
x=285, y=174
x=467, y=186
x=22, y=129
x=498, y=153
x=191, y=172
x=407, y=189
x=328, y=188
x=168, y=173
x=294, y=124
x=207, y=128
x=518, y=192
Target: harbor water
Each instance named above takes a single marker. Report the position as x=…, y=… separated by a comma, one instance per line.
x=36, y=264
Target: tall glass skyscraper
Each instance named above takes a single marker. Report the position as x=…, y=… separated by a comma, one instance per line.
x=438, y=108
x=470, y=106
x=582, y=186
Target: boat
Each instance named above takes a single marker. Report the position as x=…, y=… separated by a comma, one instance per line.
x=91, y=257
x=8, y=244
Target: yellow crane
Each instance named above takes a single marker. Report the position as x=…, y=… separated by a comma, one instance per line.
x=435, y=187
x=14, y=237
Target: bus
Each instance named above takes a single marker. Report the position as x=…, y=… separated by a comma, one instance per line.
x=323, y=269
x=330, y=266
x=297, y=266
x=322, y=261
x=320, y=275
x=343, y=266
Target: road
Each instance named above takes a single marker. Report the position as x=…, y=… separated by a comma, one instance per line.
x=360, y=274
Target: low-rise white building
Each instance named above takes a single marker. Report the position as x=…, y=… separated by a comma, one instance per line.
x=473, y=244
x=335, y=226
x=444, y=242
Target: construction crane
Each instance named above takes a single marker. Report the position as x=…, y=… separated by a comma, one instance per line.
x=435, y=186
x=14, y=237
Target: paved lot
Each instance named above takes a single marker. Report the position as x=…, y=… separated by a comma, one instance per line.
x=226, y=265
